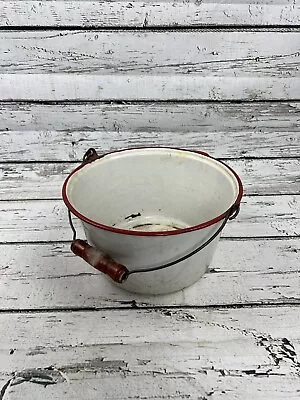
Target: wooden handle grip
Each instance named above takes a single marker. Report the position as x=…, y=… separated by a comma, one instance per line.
x=100, y=261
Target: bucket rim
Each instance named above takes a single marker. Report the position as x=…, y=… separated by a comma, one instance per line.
x=121, y=231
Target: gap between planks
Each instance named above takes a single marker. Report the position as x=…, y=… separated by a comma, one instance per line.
x=78, y=161
x=133, y=305
x=136, y=102
x=21, y=200
x=151, y=29
x=242, y=239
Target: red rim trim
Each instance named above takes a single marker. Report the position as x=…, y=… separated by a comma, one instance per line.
x=158, y=233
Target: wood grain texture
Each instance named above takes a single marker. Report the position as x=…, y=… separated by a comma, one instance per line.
x=173, y=386
x=227, y=354
x=47, y=220
x=225, y=65
x=44, y=181
x=242, y=272
x=148, y=13
x=63, y=132
x=59, y=87
x=223, y=53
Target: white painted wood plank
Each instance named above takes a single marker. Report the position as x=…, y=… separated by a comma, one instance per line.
x=44, y=181
x=152, y=386
x=57, y=87
x=222, y=53
x=145, y=65
x=242, y=272
x=227, y=354
x=50, y=132
x=47, y=220
x=148, y=13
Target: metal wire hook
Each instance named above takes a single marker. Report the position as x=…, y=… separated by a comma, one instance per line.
x=72, y=225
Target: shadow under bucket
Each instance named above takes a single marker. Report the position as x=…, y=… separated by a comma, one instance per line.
x=152, y=216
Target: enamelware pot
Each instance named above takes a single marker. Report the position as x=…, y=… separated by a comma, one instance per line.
x=152, y=216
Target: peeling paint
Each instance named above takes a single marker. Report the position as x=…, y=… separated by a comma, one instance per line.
x=97, y=364
x=40, y=376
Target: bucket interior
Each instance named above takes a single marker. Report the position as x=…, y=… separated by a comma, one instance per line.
x=152, y=189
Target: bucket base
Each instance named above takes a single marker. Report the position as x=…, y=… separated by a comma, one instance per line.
x=151, y=223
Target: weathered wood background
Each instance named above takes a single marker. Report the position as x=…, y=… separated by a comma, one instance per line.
x=220, y=76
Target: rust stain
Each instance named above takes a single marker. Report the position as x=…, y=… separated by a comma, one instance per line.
x=133, y=215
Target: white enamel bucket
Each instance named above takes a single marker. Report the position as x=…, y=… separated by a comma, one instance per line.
x=144, y=208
